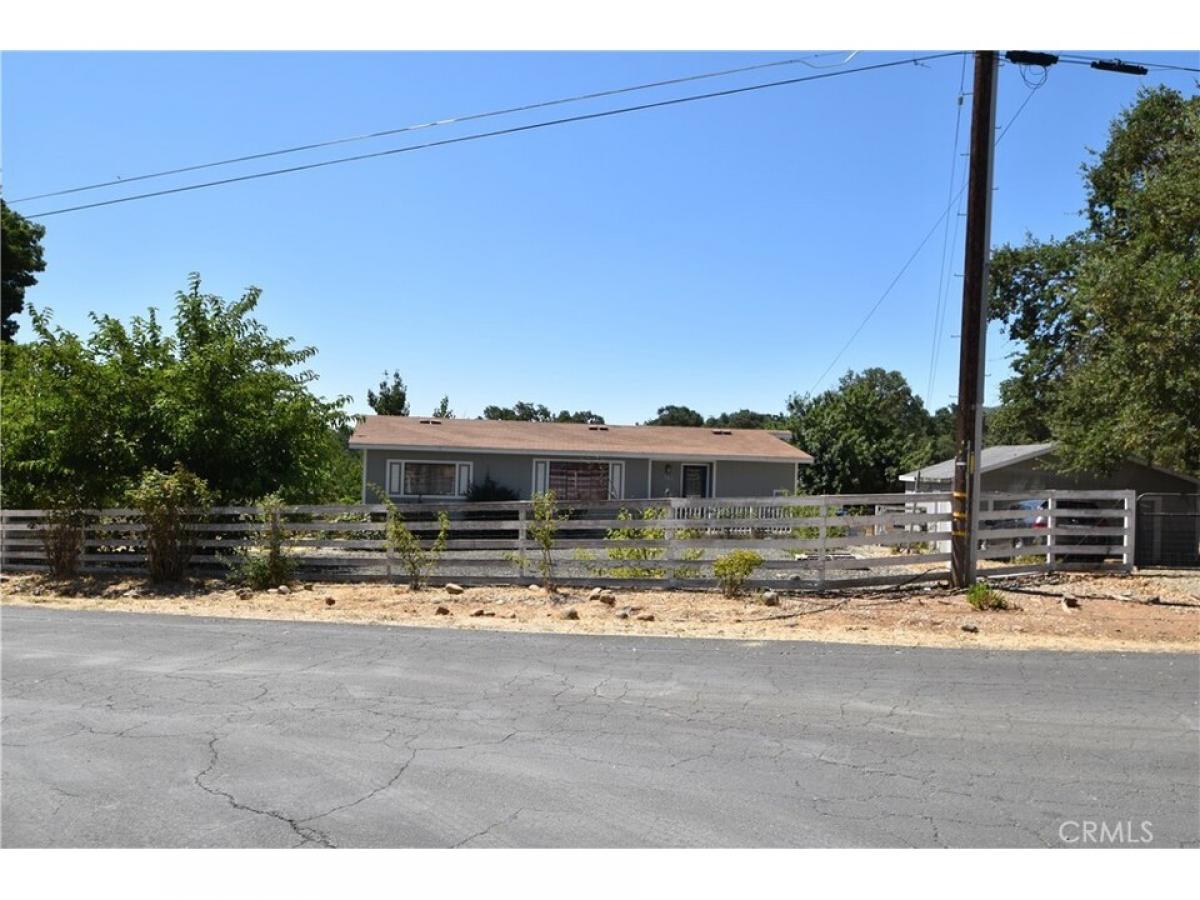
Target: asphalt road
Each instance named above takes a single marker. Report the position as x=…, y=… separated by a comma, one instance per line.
x=158, y=731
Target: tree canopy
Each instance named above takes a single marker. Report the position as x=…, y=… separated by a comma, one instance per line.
x=677, y=415
x=862, y=435
x=687, y=417
x=392, y=399
x=1109, y=317
x=522, y=411
x=20, y=260
x=443, y=410
x=747, y=418
x=220, y=395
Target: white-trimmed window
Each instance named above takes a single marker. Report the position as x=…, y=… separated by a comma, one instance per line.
x=428, y=478
x=579, y=480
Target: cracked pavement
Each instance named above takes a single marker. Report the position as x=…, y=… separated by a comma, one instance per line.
x=127, y=730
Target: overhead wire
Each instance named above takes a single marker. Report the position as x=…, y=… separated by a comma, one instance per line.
x=920, y=246
x=516, y=129
x=452, y=120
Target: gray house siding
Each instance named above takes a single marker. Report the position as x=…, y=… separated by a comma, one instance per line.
x=515, y=471
x=754, y=479
x=1037, y=475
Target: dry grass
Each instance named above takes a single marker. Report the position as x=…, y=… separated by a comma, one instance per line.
x=1113, y=612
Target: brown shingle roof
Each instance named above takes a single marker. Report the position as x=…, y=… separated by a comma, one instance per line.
x=405, y=432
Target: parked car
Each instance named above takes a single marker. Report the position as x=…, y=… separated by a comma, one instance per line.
x=1037, y=518
x=1117, y=520
x=1031, y=520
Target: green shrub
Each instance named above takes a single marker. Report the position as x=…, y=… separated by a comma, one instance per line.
x=418, y=561
x=734, y=568
x=543, y=529
x=634, y=553
x=169, y=504
x=267, y=566
x=982, y=596
x=62, y=535
x=488, y=491
x=812, y=532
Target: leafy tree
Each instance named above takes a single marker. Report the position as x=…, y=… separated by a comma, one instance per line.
x=220, y=396
x=443, y=410
x=1033, y=293
x=863, y=434
x=392, y=399
x=1110, y=316
x=519, y=412
x=677, y=415
x=583, y=417
x=21, y=258
x=941, y=433
x=746, y=418
x=538, y=412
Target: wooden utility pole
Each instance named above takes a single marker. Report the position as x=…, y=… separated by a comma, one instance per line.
x=968, y=422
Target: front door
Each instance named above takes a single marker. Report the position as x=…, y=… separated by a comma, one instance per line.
x=695, y=481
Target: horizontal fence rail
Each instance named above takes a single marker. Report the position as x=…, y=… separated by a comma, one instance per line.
x=1047, y=531
x=814, y=542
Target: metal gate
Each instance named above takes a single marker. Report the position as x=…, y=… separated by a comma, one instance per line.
x=1168, y=530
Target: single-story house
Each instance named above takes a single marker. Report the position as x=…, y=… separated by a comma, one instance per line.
x=414, y=459
x=1030, y=467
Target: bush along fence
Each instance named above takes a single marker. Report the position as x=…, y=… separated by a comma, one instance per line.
x=812, y=543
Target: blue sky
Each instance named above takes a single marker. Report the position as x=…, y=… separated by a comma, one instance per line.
x=715, y=254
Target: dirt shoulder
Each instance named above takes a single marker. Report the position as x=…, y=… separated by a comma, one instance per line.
x=1152, y=611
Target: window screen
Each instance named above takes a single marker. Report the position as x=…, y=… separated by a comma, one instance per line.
x=430, y=479
x=573, y=482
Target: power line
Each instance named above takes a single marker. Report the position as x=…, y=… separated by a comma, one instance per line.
x=516, y=129
x=454, y=120
x=915, y=254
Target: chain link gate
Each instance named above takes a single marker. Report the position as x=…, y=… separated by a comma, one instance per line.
x=1168, y=530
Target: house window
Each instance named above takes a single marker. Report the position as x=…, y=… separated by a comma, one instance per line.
x=579, y=481
x=416, y=478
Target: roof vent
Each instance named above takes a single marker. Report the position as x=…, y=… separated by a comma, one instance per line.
x=431, y=421
x=721, y=431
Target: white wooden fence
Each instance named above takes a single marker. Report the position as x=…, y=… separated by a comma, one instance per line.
x=817, y=542
x=1051, y=531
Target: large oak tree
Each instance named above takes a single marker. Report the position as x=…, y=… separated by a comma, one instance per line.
x=1109, y=317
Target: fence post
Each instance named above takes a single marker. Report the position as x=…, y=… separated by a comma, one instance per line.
x=1051, y=529
x=823, y=535
x=669, y=551
x=522, y=535
x=387, y=541
x=82, y=539
x=1129, y=538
